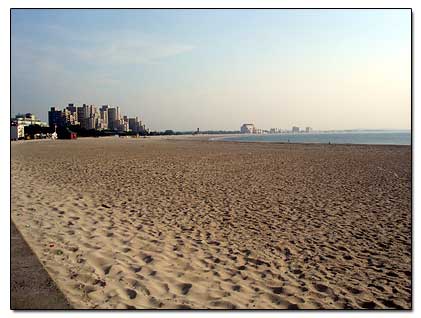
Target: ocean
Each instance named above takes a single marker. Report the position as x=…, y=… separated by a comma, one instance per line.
x=388, y=137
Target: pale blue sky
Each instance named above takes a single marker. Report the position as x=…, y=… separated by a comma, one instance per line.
x=216, y=69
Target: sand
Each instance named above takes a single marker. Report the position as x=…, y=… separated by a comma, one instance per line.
x=30, y=285
x=166, y=223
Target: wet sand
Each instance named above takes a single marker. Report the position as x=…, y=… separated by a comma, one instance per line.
x=157, y=223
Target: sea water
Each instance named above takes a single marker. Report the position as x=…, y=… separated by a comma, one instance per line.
x=389, y=137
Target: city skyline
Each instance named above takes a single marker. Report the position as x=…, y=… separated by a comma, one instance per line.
x=105, y=117
x=182, y=69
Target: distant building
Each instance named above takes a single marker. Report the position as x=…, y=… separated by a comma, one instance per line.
x=295, y=129
x=112, y=118
x=82, y=115
x=248, y=129
x=28, y=119
x=118, y=114
x=308, y=129
x=72, y=108
x=72, y=116
x=56, y=118
x=135, y=125
x=16, y=130
x=86, y=116
x=89, y=117
x=90, y=123
x=96, y=115
x=69, y=117
x=125, y=123
x=92, y=117
x=132, y=124
x=104, y=118
x=124, y=126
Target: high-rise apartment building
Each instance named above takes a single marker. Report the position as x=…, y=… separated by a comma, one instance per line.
x=80, y=116
x=72, y=115
x=90, y=123
x=104, y=118
x=112, y=118
x=124, y=126
x=118, y=115
x=72, y=108
x=133, y=124
x=92, y=117
x=88, y=116
x=83, y=115
x=56, y=118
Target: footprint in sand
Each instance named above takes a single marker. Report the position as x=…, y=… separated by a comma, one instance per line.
x=147, y=259
x=136, y=269
x=185, y=288
x=278, y=290
x=138, y=285
x=100, y=282
x=183, y=307
x=107, y=269
x=368, y=304
x=321, y=288
x=354, y=290
x=391, y=304
x=293, y=307
x=131, y=293
x=155, y=303
x=236, y=288
x=223, y=304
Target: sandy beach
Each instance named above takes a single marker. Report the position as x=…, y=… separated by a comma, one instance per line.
x=176, y=224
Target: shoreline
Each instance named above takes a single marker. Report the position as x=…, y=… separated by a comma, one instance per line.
x=314, y=143
x=242, y=136
x=215, y=138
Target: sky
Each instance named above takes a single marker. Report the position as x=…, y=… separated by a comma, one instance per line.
x=217, y=69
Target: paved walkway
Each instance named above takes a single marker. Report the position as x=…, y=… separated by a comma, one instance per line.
x=30, y=285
